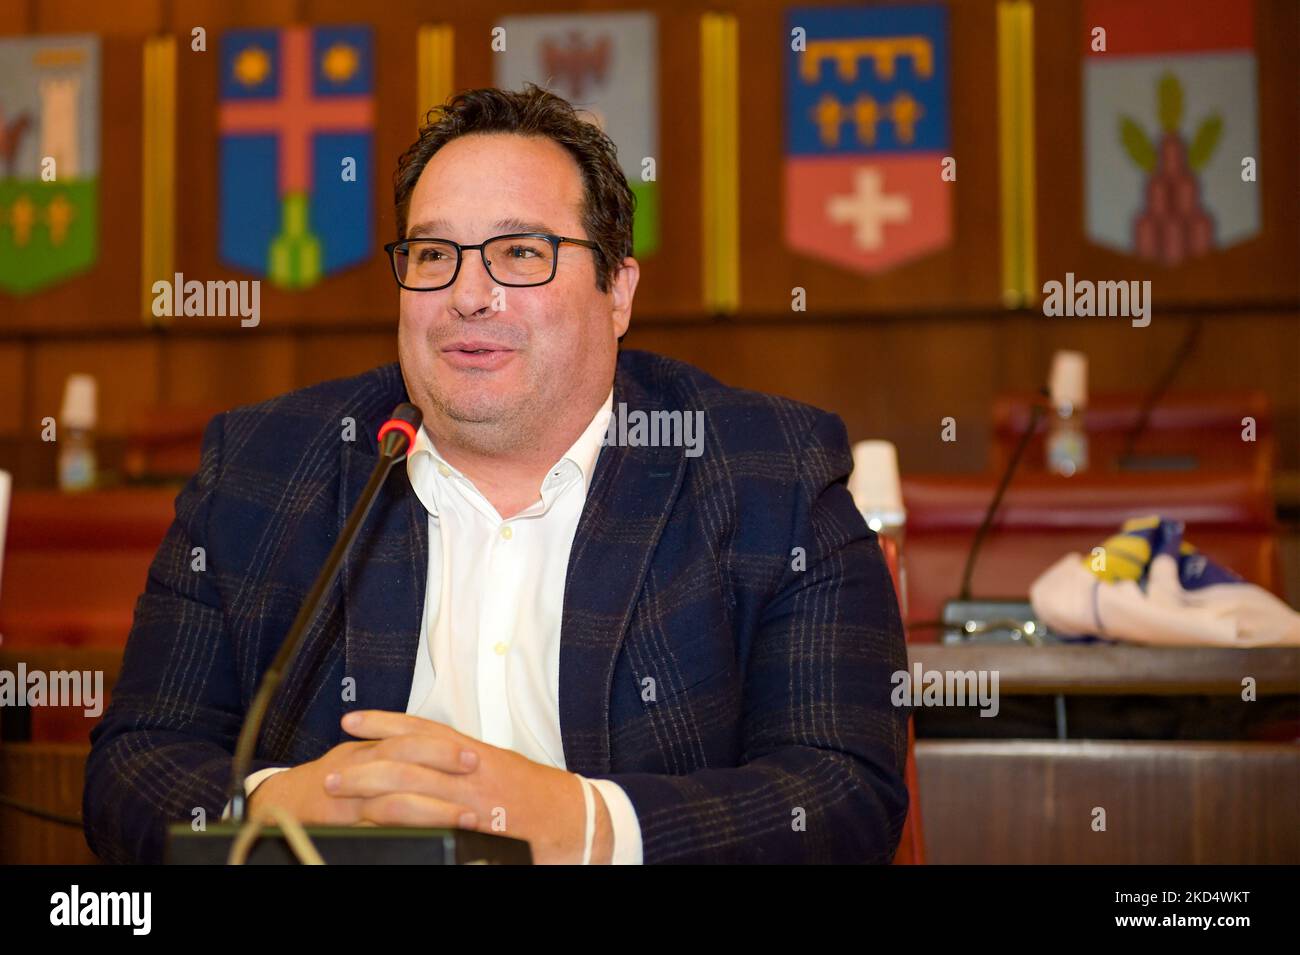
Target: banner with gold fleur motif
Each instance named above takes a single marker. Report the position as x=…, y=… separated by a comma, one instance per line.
x=49, y=160
x=867, y=104
x=296, y=119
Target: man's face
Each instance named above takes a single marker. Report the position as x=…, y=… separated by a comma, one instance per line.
x=496, y=368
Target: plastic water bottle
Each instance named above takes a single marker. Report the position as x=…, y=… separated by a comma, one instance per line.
x=76, y=436
x=1067, y=441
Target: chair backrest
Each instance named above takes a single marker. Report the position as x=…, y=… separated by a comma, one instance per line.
x=163, y=442
x=1205, y=426
x=104, y=541
x=911, y=847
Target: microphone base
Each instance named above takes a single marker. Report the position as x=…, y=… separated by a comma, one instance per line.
x=994, y=620
x=350, y=845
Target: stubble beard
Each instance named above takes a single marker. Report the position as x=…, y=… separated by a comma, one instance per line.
x=485, y=425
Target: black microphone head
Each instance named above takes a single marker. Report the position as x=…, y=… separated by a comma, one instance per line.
x=397, y=434
x=409, y=413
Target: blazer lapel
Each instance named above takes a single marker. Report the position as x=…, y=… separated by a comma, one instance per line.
x=628, y=503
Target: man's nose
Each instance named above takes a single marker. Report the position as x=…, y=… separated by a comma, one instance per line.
x=472, y=293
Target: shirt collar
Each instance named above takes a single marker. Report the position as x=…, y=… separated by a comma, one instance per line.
x=586, y=449
x=583, y=453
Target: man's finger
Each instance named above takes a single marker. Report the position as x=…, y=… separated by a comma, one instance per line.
x=409, y=809
x=381, y=777
x=435, y=752
x=379, y=724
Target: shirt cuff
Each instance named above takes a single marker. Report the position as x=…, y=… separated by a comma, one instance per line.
x=253, y=780
x=622, y=817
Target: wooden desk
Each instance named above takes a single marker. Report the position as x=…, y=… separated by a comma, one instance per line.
x=1166, y=801
x=1119, y=669
x=56, y=724
x=49, y=776
x=1034, y=801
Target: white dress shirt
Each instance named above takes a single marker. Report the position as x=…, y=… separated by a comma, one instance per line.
x=489, y=655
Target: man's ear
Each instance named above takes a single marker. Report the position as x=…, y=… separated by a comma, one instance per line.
x=623, y=286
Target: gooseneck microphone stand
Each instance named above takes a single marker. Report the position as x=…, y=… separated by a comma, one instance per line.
x=396, y=437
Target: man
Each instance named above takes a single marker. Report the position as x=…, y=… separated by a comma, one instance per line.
x=625, y=650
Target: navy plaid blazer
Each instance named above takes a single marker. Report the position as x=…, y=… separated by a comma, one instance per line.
x=743, y=582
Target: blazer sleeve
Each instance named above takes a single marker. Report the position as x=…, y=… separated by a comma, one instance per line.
x=824, y=749
x=163, y=751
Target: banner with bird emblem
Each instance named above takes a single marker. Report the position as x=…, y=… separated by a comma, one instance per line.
x=49, y=160
x=605, y=64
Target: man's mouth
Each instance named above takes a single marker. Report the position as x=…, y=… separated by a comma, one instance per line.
x=476, y=355
x=475, y=348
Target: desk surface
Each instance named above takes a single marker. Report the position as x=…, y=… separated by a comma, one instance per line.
x=1119, y=669
x=1106, y=670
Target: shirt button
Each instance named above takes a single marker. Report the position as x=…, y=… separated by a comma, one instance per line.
x=500, y=649
x=444, y=470
x=506, y=532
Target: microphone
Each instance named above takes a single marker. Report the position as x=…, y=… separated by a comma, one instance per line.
x=1128, y=459
x=405, y=420
x=964, y=618
x=396, y=436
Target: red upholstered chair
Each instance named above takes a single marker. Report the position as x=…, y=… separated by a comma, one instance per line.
x=164, y=442
x=74, y=566
x=1204, y=426
x=911, y=848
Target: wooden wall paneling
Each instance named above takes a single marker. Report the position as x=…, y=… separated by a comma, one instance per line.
x=963, y=275
x=90, y=16
x=225, y=371
x=1120, y=357
x=896, y=378
x=670, y=286
x=934, y=371
x=1262, y=269
x=322, y=356
x=16, y=17
x=12, y=385
x=890, y=379
x=127, y=372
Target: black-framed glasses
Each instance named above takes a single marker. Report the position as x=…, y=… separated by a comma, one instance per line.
x=518, y=260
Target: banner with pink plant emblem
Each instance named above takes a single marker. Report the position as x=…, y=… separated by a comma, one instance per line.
x=1170, y=127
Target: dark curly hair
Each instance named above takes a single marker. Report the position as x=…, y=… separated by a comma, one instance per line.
x=608, y=202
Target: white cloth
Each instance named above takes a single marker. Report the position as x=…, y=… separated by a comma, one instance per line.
x=1070, y=599
x=489, y=657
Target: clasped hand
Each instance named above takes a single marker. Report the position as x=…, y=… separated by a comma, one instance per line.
x=409, y=771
